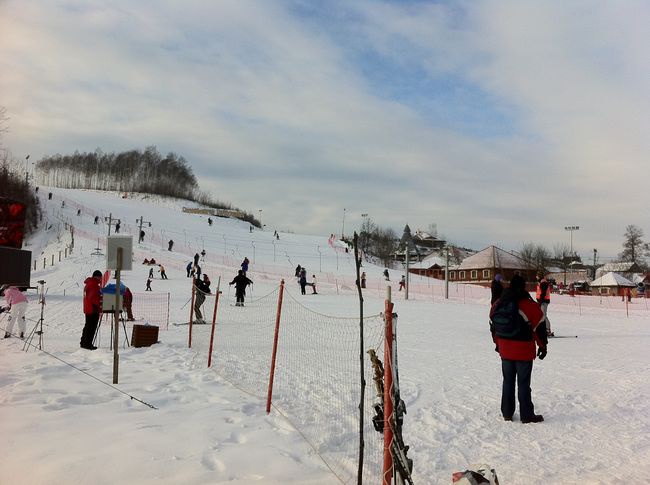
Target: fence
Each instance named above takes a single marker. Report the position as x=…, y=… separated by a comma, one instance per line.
x=316, y=383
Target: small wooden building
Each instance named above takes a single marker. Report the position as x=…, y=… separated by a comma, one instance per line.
x=482, y=267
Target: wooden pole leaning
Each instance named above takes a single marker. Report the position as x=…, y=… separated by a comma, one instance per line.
x=214, y=321
x=275, y=348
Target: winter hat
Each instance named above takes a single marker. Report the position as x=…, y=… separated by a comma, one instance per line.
x=498, y=277
x=517, y=282
x=97, y=274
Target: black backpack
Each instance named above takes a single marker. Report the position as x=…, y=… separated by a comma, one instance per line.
x=506, y=320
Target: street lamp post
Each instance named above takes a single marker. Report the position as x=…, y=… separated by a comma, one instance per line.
x=343, y=225
x=570, y=229
x=26, y=170
x=261, y=225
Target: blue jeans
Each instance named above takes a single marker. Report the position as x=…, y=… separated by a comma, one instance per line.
x=518, y=371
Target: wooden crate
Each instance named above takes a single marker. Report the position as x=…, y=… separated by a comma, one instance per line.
x=144, y=335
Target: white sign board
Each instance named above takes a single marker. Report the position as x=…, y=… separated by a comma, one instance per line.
x=112, y=244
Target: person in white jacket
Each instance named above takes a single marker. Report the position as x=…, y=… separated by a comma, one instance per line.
x=17, y=305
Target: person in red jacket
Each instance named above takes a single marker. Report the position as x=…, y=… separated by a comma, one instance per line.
x=519, y=350
x=92, y=307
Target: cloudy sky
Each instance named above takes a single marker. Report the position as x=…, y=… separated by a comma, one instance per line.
x=500, y=121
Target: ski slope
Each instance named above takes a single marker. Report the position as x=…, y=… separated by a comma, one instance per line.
x=60, y=425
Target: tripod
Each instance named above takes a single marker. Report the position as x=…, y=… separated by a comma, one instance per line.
x=112, y=319
x=39, y=323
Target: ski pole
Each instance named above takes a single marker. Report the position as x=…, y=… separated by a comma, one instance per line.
x=188, y=300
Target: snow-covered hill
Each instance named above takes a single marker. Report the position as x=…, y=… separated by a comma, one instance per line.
x=60, y=425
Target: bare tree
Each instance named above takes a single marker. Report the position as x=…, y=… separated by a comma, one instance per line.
x=634, y=248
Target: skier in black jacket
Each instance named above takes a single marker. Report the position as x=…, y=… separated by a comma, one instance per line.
x=202, y=288
x=241, y=282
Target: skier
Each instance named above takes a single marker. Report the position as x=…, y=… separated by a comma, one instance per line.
x=313, y=284
x=201, y=288
x=298, y=268
x=170, y=245
x=363, y=279
x=203, y=255
x=92, y=307
x=518, y=351
x=141, y=237
x=402, y=283
x=16, y=304
x=96, y=219
x=151, y=273
x=496, y=288
x=303, y=280
x=148, y=288
x=128, y=304
x=196, y=259
x=163, y=275
x=244, y=266
x=241, y=282
x=189, y=269
x=543, y=295
x=209, y=221
x=117, y=227
x=386, y=274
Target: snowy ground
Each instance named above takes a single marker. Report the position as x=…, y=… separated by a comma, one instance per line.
x=60, y=425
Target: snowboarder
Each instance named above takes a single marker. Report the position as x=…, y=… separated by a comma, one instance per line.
x=92, y=307
x=201, y=288
x=518, y=350
x=148, y=288
x=386, y=276
x=170, y=245
x=163, y=275
x=496, y=288
x=402, y=283
x=241, y=282
x=17, y=305
x=128, y=304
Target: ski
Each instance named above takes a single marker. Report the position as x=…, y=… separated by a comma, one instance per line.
x=563, y=336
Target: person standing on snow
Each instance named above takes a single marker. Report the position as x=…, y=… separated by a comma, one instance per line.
x=244, y=265
x=92, y=307
x=303, y=280
x=189, y=269
x=163, y=275
x=496, y=288
x=543, y=295
x=386, y=276
x=201, y=288
x=16, y=305
x=241, y=282
x=402, y=283
x=363, y=279
x=170, y=245
x=128, y=304
x=518, y=351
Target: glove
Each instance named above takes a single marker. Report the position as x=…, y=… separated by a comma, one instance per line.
x=2, y=309
x=541, y=353
x=496, y=348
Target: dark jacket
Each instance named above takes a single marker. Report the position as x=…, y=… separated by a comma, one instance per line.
x=202, y=285
x=523, y=345
x=497, y=290
x=241, y=282
x=92, y=295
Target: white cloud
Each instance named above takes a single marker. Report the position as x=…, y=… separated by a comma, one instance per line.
x=274, y=113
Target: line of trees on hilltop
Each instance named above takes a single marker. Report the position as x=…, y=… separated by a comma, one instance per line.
x=131, y=171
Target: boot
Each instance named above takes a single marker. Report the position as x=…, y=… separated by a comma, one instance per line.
x=535, y=418
x=22, y=334
x=7, y=335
